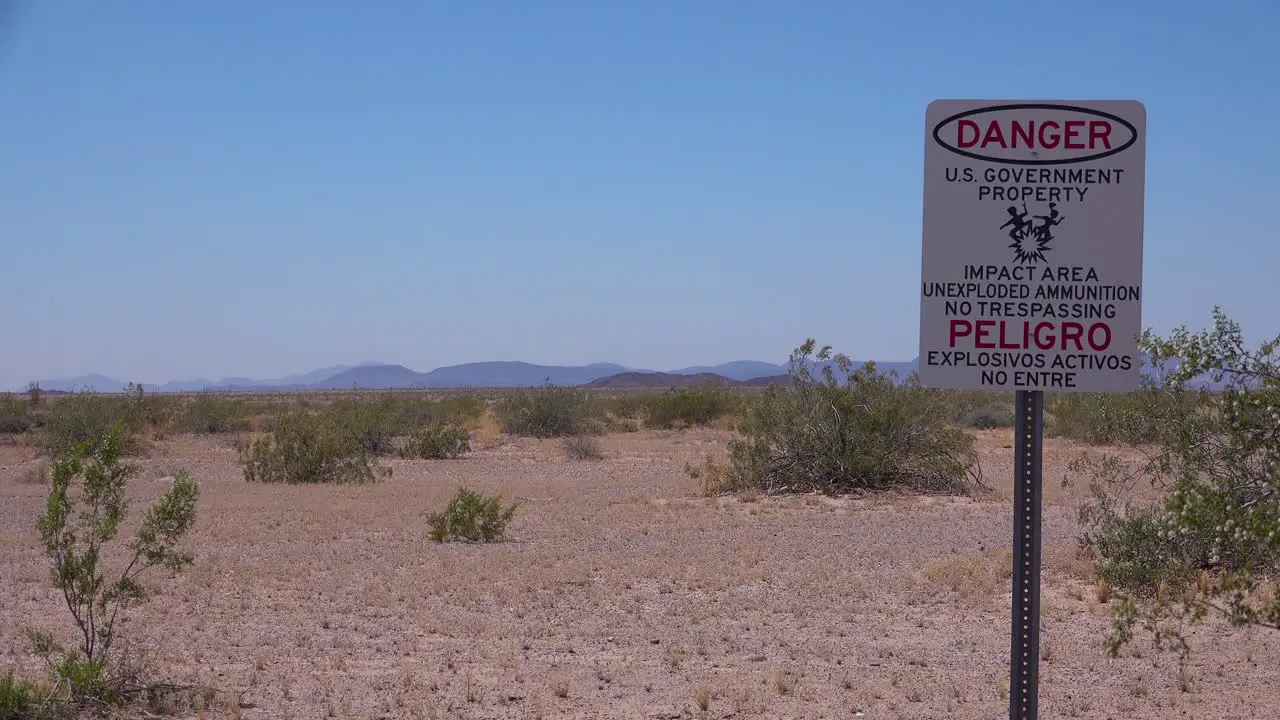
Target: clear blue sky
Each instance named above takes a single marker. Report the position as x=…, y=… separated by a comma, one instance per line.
x=257, y=188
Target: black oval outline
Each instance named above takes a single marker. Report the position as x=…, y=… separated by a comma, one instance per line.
x=1133, y=133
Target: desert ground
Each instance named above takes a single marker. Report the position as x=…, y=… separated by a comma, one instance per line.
x=620, y=592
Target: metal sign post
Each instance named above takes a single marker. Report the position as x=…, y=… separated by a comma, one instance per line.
x=1024, y=667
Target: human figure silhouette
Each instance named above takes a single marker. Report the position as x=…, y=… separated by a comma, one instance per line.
x=1018, y=220
x=1045, y=231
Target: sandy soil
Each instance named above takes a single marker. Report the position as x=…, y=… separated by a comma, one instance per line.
x=621, y=594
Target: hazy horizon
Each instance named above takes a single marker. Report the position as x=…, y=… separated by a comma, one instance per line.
x=243, y=190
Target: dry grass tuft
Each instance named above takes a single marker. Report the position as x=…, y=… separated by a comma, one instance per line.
x=702, y=695
x=714, y=476
x=35, y=473
x=488, y=433
x=582, y=447
x=975, y=576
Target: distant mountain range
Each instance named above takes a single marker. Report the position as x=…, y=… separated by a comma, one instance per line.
x=384, y=376
x=508, y=374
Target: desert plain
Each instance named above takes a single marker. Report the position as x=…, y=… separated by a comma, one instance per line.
x=619, y=592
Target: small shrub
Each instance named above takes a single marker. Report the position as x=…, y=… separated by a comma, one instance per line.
x=15, y=417
x=148, y=410
x=623, y=425
x=458, y=409
x=309, y=448
x=990, y=417
x=1130, y=419
x=19, y=699
x=626, y=407
x=76, y=527
x=689, y=407
x=37, y=473
x=213, y=415
x=15, y=424
x=714, y=477
x=581, y=447
x=471, y=516
x=837, y=435
x=437, y=442
x=549, y=412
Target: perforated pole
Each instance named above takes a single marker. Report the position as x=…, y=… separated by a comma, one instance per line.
x=1024, y=669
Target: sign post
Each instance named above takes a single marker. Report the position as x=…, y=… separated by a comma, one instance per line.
x=1032, y=281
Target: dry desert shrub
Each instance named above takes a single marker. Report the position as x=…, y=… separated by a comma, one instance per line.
x=15, y=415
x=581, y=447
x=437, y=442
x=550, y=411
x=375, y=421
x=85, y=417
x=310, y=448
x=972, y=576
x=689, y=407
x=36, y=473
x=714, y=477
x=848, y=431
x=209, y=413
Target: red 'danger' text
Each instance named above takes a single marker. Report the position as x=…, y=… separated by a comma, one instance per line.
x=1046, y=134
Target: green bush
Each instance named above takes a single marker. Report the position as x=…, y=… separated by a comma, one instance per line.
x=20, y=699
x=15, y=416
x=212, y=415
x=437, y=442
x=1214, y=528
x=1105, y=418
x=375, y=421
x=308, y=448
x=626, y=407
x=84, y=417
x=458, y=409
x=148, y=410
x=471, y=516
x=843, y=434
x=987, y=417
x=76, y=529
x=689, y=407
x=549, y=412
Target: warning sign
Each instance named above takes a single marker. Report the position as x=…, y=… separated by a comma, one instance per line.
x=1032, y=267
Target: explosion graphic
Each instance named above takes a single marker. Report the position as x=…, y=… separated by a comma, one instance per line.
x=1029, y=247
x=1030, y=238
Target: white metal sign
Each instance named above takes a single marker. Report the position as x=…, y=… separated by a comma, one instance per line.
x=1032, y=267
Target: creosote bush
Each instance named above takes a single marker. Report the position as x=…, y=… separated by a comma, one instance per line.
x=689, y=407
x=851, y=430
x=84, y=417
x=471, y=516
x=548, y=412
x=212, y=414
x=15, y=415
x=1111, y=418
x=437, y=442
x=457, y=409
x=86, y=506
x=307, y=447
x=992, y=416
x=374, y=421
x=1202, y=547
